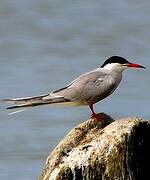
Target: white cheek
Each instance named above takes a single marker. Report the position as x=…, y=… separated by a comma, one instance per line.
x=115, y=67
x=112, y=66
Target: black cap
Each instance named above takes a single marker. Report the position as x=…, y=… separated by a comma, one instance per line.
x=115, y=59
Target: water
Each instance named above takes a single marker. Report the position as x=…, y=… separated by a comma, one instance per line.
x=44, y=44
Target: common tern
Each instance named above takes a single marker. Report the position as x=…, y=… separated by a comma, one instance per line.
x=87, y=89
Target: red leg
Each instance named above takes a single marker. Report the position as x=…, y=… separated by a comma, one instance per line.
x=95, y=115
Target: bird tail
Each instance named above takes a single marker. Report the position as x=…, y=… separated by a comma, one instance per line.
x=34, y=101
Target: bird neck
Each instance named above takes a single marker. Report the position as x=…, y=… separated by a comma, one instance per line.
x=113, y=71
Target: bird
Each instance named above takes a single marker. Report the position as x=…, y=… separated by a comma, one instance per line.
x=87, y=89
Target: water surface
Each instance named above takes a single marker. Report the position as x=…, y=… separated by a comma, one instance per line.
x=44, y=44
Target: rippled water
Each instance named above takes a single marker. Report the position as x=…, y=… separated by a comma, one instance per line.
x=44, y=44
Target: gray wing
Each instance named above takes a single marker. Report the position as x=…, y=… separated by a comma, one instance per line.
x=89, y=88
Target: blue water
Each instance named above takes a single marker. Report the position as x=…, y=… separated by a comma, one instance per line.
x=44, y=44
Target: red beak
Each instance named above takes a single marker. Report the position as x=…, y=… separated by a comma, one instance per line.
x=132, y=65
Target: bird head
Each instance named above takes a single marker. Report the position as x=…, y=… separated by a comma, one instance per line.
x=118, y=64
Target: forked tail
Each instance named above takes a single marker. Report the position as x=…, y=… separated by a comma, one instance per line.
x=34, y=101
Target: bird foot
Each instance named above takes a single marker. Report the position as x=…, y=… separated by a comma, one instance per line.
x=97, y=117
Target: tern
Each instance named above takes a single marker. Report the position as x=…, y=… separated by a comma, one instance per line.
x=87, y=89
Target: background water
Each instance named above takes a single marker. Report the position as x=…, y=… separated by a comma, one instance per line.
x=44, y=44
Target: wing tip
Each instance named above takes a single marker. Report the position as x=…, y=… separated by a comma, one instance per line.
x=11, y=107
